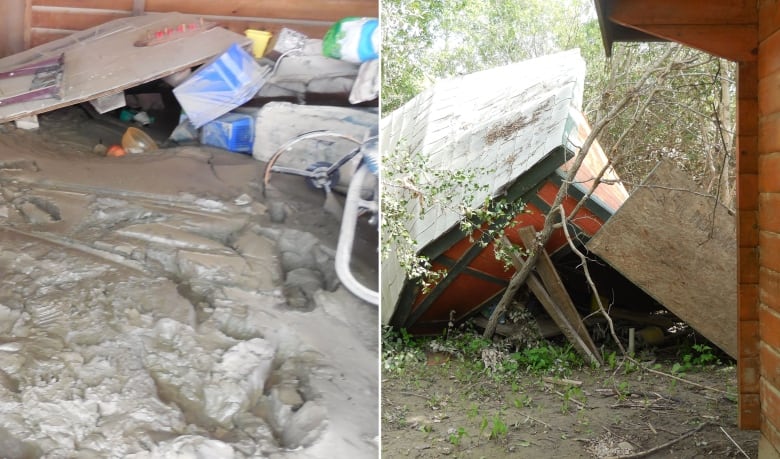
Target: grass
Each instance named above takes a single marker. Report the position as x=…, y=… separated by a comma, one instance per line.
x=473, y=403
x=457, y=435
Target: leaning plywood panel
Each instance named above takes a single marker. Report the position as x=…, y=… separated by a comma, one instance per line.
x=103, y=60
x=664, y=239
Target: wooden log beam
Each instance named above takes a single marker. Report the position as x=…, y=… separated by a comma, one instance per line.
x=727, y=29
x=668, y=12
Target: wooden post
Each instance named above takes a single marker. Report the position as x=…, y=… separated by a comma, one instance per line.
x=557, y=291
x=139, y=7
x=15, y=26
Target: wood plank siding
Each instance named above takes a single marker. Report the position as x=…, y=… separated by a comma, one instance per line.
x=29, y=23
x=766, y=193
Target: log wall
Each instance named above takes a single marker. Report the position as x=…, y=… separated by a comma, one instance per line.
x=765, y=196
x=28, y=23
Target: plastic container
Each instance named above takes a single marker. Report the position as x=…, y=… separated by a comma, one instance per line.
x=234, y=132
x=227, y=82
x=352, y=39
x=259, y=39
x=137, y=141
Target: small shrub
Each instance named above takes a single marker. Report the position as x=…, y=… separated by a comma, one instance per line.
x=399, y=349
x=456, y=435
x=499, y=428
x=548, y=359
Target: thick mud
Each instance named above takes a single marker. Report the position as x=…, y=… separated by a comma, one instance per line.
x=150, y=307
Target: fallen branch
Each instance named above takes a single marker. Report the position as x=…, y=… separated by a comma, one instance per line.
x=735, y=443
x=562, y=381
x=412, y=394
x=584, y=262
x=537, y=420
x=660, y=447
x=677, y=378
x=573, y=400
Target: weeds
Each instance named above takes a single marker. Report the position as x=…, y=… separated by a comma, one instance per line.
x=698, y=355
x=498, y=428
x=545, y=359
x=523, y=402
x=399, y=349
x=456, y=435
x=623, y=390
x=473, y=411
x=573, y=393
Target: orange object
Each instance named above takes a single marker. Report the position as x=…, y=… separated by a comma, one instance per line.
x=115, y=151
x=137, y=141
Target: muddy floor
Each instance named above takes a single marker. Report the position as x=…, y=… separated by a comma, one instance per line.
x=159, y=305
x=458, y=409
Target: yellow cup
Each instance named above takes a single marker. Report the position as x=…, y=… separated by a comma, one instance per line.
x=259, y=41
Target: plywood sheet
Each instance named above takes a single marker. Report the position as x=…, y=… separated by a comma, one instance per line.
x=103, y=60
x=662, y=240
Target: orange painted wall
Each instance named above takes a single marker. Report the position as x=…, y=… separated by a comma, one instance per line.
x=766, y=190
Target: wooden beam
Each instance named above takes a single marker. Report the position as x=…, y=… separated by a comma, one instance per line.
x=325, y=10
x=669, y=12
x=567, y=328
x=727, y=29
x=557, y=291
x=75, y=20
x=27, y=23
x=738, y=43
x=41, y=36
x=126, y=5
x=138, y=7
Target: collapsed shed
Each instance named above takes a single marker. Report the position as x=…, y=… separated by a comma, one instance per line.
x=522, y=124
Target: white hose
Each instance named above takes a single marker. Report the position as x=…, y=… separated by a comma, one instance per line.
x=347, y=237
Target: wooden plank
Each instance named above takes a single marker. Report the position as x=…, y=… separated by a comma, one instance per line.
x=139, y=6
x=41, y=36
x=556, y=290
x=99, y=4
x=73, y=20
x=567, y=328
x=103, y=60
x=660, y=240
x=688, y=12
x=735, y=42
x=728, y=29
x=12, y=22
x=325, y=10
x=312, y=30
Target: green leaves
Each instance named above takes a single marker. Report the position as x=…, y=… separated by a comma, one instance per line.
x=411, y=187
x=424, y=41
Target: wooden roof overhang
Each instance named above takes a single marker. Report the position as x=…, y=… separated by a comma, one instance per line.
x=724, y=28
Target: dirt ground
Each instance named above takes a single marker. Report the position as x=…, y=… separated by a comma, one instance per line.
x=159, y=305
x=457, y=409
